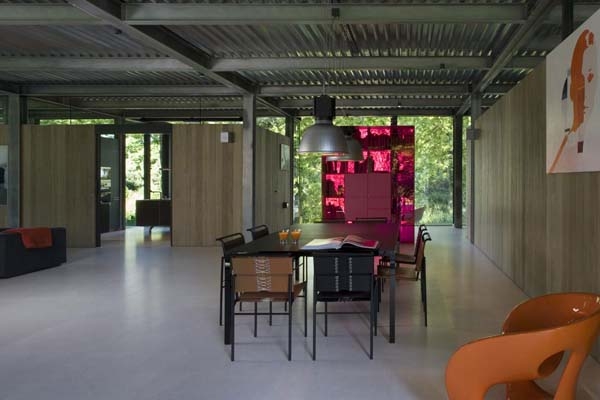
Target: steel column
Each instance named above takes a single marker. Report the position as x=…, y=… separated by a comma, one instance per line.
x=13, y=176
x=457, y=181
x=147, y=180
x=248, y=161
x=475, y=113
x=290, y=130
x=567, y=21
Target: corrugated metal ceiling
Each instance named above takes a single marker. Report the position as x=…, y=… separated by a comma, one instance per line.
x=280, y=41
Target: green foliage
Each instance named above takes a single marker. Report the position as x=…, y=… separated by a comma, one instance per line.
x=433, y=167
x=134, y=171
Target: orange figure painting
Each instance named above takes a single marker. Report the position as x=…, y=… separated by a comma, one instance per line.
x=579, y=89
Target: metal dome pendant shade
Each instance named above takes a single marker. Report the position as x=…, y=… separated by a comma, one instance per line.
x=323, y=136
x=355, y=151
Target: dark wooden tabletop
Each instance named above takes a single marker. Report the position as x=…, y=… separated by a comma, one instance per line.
x=385, y=233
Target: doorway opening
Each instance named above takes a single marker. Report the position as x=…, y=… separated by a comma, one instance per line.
x=134, y=181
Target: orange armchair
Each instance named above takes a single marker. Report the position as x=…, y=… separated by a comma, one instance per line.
x=535, y=336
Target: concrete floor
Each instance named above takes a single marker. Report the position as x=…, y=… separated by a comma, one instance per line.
x=137, y=319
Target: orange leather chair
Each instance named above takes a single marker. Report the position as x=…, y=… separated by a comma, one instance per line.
x=536, y=334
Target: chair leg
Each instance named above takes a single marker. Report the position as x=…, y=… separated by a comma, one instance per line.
x=376, y=302
x=325, y=318
x=290, y=319
x=305, y=308
x=371, y=319
x=314, y=325
x=270, y=313
x=285, y=306
x=424, y=288
x=297, y=270
x=232, y=328
x=221, y=290
x=255, y=317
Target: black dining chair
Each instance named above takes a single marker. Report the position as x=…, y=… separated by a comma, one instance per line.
x=343, y=277
x=227, y=243
x=258, y=231
x=410, y=269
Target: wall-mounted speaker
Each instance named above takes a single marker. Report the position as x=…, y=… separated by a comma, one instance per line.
x=473, y=133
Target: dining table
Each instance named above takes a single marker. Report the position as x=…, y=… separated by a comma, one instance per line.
x=385, y=233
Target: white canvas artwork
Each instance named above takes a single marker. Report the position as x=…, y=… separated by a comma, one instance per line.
x=572, y=104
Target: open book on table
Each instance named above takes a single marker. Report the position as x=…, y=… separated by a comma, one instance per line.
x=336, y=243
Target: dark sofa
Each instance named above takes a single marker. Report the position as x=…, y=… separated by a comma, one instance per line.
x=15, y=259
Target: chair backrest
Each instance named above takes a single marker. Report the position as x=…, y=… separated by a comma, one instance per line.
x=560, y=322
x=422, y=229
x=343, y=272
x=230, y=241
x=258, y=231
x=425, y=237
x=262, y=274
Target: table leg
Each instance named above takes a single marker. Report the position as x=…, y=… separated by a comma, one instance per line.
x=392, y=305
x=228, y=301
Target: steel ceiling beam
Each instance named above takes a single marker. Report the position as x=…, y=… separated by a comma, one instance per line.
x=365, y=63
x=381, y=103
x=9, y=88
x=265, y=91
x=127, y=90
x=166, y=41
x=44, y=14
x=309, y=14
x=374, y=90
x=171, y=114
x=142, y=64
x=157, y=103
x=522, y=34
x=67, y=107
x=239, y=14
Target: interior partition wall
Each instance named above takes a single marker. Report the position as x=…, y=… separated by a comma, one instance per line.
x=541, y=230
x=58, y=180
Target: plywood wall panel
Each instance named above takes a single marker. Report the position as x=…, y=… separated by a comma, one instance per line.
x=541, y=230
x=272, y=183
x=207, y=184
x=511, y=185
x=58, y=180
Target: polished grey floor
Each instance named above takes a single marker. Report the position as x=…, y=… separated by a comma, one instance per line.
x=137, y=319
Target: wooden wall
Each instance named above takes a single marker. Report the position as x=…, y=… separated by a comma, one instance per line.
x=272, y=186
x=541, y=230
x=207, y=184
x=58, y=184
x=3, y=208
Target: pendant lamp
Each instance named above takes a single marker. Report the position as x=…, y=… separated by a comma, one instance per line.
x=323, y=136
x=355, y=151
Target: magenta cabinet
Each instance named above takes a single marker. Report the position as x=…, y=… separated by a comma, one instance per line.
x=380, y=186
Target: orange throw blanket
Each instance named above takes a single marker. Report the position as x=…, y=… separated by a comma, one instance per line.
x=34, y=238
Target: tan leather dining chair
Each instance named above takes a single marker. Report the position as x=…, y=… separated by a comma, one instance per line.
x=536, y=335
x=265, y=279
